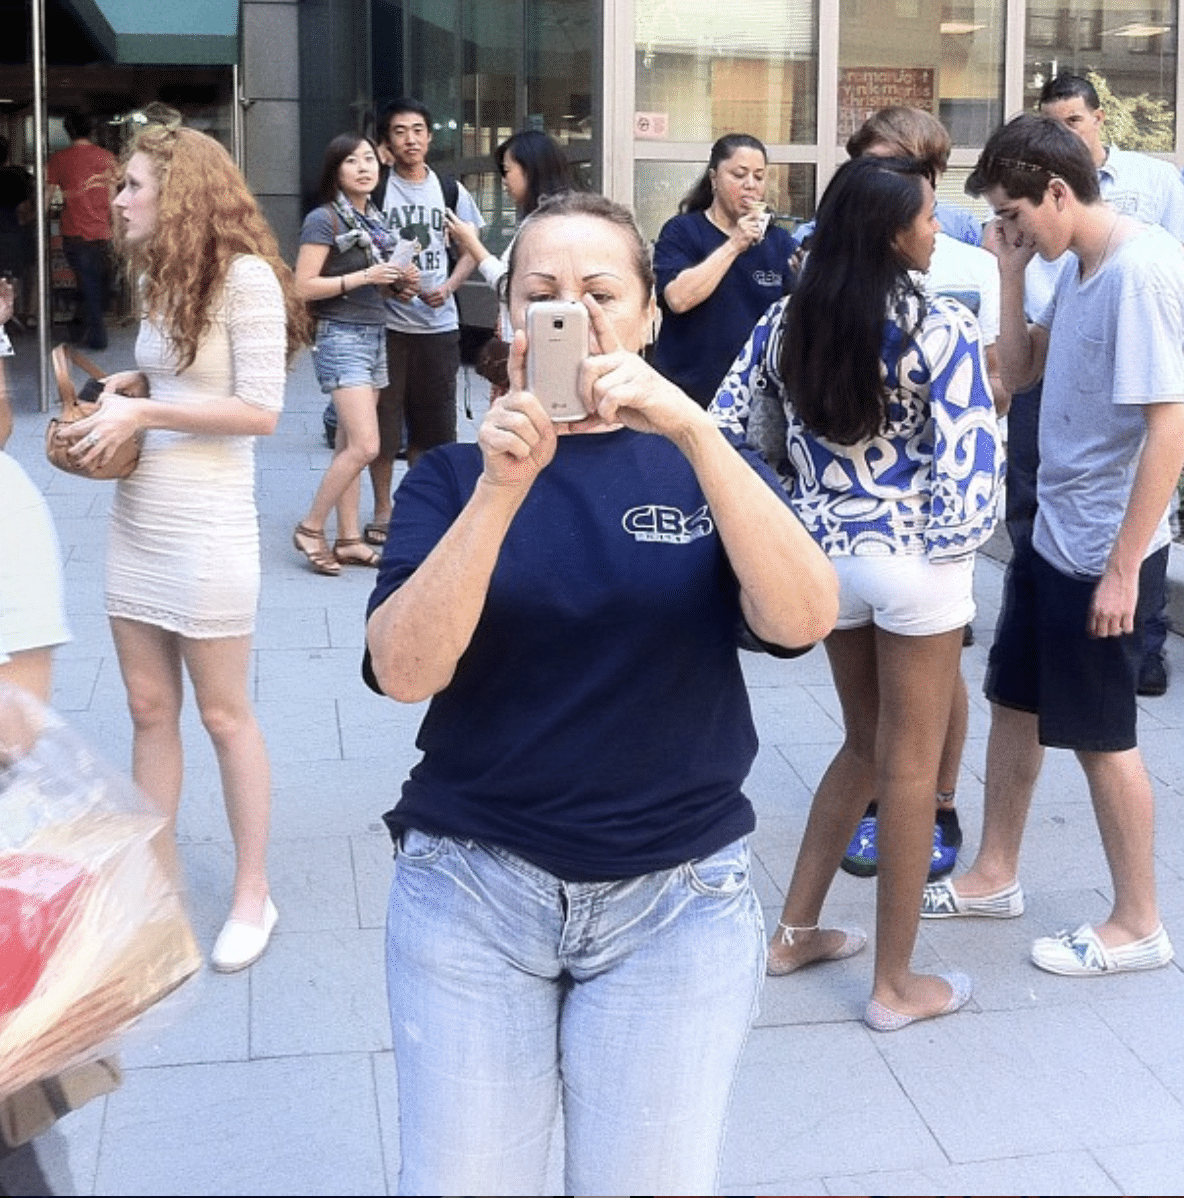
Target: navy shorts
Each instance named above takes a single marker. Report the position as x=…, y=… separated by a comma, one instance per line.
x=349, y=355
x=1081, y=688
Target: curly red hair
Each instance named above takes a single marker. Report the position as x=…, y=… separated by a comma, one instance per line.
x=206, y=215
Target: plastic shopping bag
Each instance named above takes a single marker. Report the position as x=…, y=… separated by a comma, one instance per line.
x=92, y=928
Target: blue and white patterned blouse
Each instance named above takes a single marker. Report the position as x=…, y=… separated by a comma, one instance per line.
x=928, y=484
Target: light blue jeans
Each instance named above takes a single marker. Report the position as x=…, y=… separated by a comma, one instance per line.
x=513, y=993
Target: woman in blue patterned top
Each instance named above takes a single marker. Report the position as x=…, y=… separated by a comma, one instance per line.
x=873, y=404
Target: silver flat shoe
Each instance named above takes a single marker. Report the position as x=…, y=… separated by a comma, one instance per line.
x=883, y=1019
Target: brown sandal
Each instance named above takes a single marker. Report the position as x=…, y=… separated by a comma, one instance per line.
x=368, y=556
x=319, y=555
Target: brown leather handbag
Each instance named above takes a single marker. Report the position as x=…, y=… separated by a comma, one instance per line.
x=122, y=462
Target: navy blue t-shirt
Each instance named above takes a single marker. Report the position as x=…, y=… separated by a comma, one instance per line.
x=696, y=348
x=598, y=723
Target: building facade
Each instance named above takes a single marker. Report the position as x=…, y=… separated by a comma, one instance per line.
x=639, y=89
x=636, y=90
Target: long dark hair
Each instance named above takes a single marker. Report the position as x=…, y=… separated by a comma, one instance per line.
x=834, y=325
x=543, y=162
x=336, y=152
x=698, y=199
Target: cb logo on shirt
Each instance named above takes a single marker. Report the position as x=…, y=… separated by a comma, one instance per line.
x=655, y=522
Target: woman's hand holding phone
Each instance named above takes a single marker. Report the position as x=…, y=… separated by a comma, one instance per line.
x=517, y=438
x=624, y=389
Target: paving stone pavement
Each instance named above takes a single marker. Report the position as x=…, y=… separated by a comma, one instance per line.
x=280, y=1080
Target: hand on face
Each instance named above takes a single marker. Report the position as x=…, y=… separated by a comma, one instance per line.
x=1011, y=245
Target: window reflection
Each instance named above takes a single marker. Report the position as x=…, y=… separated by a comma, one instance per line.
x=705, y=69
x=1127, y=48
x=487, y=70
x=940, y=55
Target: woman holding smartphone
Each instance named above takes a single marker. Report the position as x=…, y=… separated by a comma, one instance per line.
x=572, y=923
x=874, y=402
x=342, y=268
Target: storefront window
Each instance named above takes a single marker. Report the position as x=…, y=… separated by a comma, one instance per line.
x=705, y=69
x=945, y=56
x=1128, y=50
x=487, y=70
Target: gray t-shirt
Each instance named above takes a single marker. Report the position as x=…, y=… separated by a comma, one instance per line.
x=359, y=305
x=420, y=208
x=1116, y=344
x=1137, y=185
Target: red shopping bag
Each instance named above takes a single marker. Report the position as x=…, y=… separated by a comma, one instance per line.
x=37, y=892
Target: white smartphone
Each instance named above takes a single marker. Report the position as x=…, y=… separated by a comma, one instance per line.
x=556, y=344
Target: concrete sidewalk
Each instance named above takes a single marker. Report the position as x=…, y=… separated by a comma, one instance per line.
x=280, y=1080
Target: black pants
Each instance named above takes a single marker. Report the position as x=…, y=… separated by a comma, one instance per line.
x=422, y=392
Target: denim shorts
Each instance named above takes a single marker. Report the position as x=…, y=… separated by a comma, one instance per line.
x=349, y=355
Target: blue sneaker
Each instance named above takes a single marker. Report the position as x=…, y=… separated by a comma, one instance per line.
x=945, y=854
x=860, y=858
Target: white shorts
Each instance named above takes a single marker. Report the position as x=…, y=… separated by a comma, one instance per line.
x=905, y=593
x=32, y=615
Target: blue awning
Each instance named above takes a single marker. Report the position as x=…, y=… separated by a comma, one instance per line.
x=176, y=32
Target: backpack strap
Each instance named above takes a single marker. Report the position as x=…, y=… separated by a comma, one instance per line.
x=378, y=195
x=451, y=189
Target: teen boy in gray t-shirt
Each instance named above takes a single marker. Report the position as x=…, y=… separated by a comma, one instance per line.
x=1065, y=662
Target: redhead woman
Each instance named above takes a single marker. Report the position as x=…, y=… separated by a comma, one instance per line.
x=873, y=401
x=343, y=269
x=572, y=922
x=220, y=319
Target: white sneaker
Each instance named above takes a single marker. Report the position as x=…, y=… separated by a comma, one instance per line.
x=1081, y=954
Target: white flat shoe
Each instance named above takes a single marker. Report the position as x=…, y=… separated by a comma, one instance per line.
x=240, y=944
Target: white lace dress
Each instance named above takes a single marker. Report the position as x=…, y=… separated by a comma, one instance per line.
x=183, y=549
